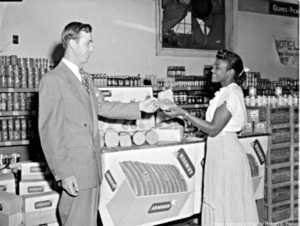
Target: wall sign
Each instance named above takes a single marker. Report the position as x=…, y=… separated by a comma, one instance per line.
x=284, y=9
x=287, y=50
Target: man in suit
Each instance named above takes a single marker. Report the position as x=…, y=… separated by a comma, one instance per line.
x=68, y=127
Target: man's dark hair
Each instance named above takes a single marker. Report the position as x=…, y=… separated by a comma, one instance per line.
x=72, y=30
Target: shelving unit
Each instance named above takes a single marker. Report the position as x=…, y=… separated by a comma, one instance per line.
x=281, y=206
x=19, y=90
x=19, y=81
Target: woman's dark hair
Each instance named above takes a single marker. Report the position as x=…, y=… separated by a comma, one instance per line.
x=234, y=62
x=72, y=30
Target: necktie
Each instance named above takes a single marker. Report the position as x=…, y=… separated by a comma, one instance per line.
x=85, y=80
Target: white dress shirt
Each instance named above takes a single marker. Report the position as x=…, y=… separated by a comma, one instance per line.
x=73, y=67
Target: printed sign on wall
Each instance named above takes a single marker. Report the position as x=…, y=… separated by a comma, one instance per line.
x=284, y=8
x=287, y=50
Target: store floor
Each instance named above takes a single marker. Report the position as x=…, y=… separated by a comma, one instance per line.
x=183, y=222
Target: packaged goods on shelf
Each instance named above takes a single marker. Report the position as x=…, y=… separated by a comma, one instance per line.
x=171, y=134
x=23, y=72
x=280, y=175
x=260, y=127
x=280, y=194
x=111, y=138
x=280, y=155
x=296, y=173
x=15, y=129
x=152, y=137
x=34, y=170
x=280, y=135
x=27, y=187
x=139, y=138
x=103, y=80
x=125, y=139
x=278, y=213
x=7, y=183
x=173, y=71
x=296, y=155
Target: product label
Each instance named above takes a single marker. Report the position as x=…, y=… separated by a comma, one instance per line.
x=186, y=163
x=160, y=207
x=110, y=180
x=43, y=204
x=34, y=189
x=259, y=152
x=36, y=169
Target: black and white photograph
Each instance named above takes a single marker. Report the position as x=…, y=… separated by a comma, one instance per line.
x=149, y=112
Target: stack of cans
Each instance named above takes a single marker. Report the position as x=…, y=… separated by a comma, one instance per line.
x=21, y=72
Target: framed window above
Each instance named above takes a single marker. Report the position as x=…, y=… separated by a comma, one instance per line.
x=194, y=28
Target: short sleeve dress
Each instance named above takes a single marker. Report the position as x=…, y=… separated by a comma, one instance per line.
x=228, y=193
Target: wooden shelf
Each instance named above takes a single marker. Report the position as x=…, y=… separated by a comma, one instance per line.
x=193, y=105
x=14, y=143
x=16, y=113
x=188, y=88
x=280, y=126
x=281, y=203
x=280, y=165
x=279, y=145
x=282, y=184
x=19, y=90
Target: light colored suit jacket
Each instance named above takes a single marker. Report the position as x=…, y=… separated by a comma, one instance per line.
x=68, y=126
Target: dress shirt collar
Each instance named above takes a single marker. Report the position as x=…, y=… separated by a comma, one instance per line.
x=73, y=67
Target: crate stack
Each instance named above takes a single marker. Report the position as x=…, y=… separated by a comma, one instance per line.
x=282, y=165
x=295, y=150
x=28, y=199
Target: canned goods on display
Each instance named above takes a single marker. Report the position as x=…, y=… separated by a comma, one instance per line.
x=3, y=102
x=10, y=129
x=4, y=130
x=16, y=77
x=23, y=129
x=9, y=102
x=22, y=99
x=16, y=101
x=30, y=78
x=10, y=76
x=13, y=60
x=23, y=78
x=17, y=131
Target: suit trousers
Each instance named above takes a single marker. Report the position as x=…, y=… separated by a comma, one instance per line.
x=81, y=210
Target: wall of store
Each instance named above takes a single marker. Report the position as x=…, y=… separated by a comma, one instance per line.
x=124, y=35
x=255, y=42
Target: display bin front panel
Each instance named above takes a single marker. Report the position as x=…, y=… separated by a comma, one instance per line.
x=249, y=144
x=151, y=185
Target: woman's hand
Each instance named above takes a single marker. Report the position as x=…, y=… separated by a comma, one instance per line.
x=175, y=111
